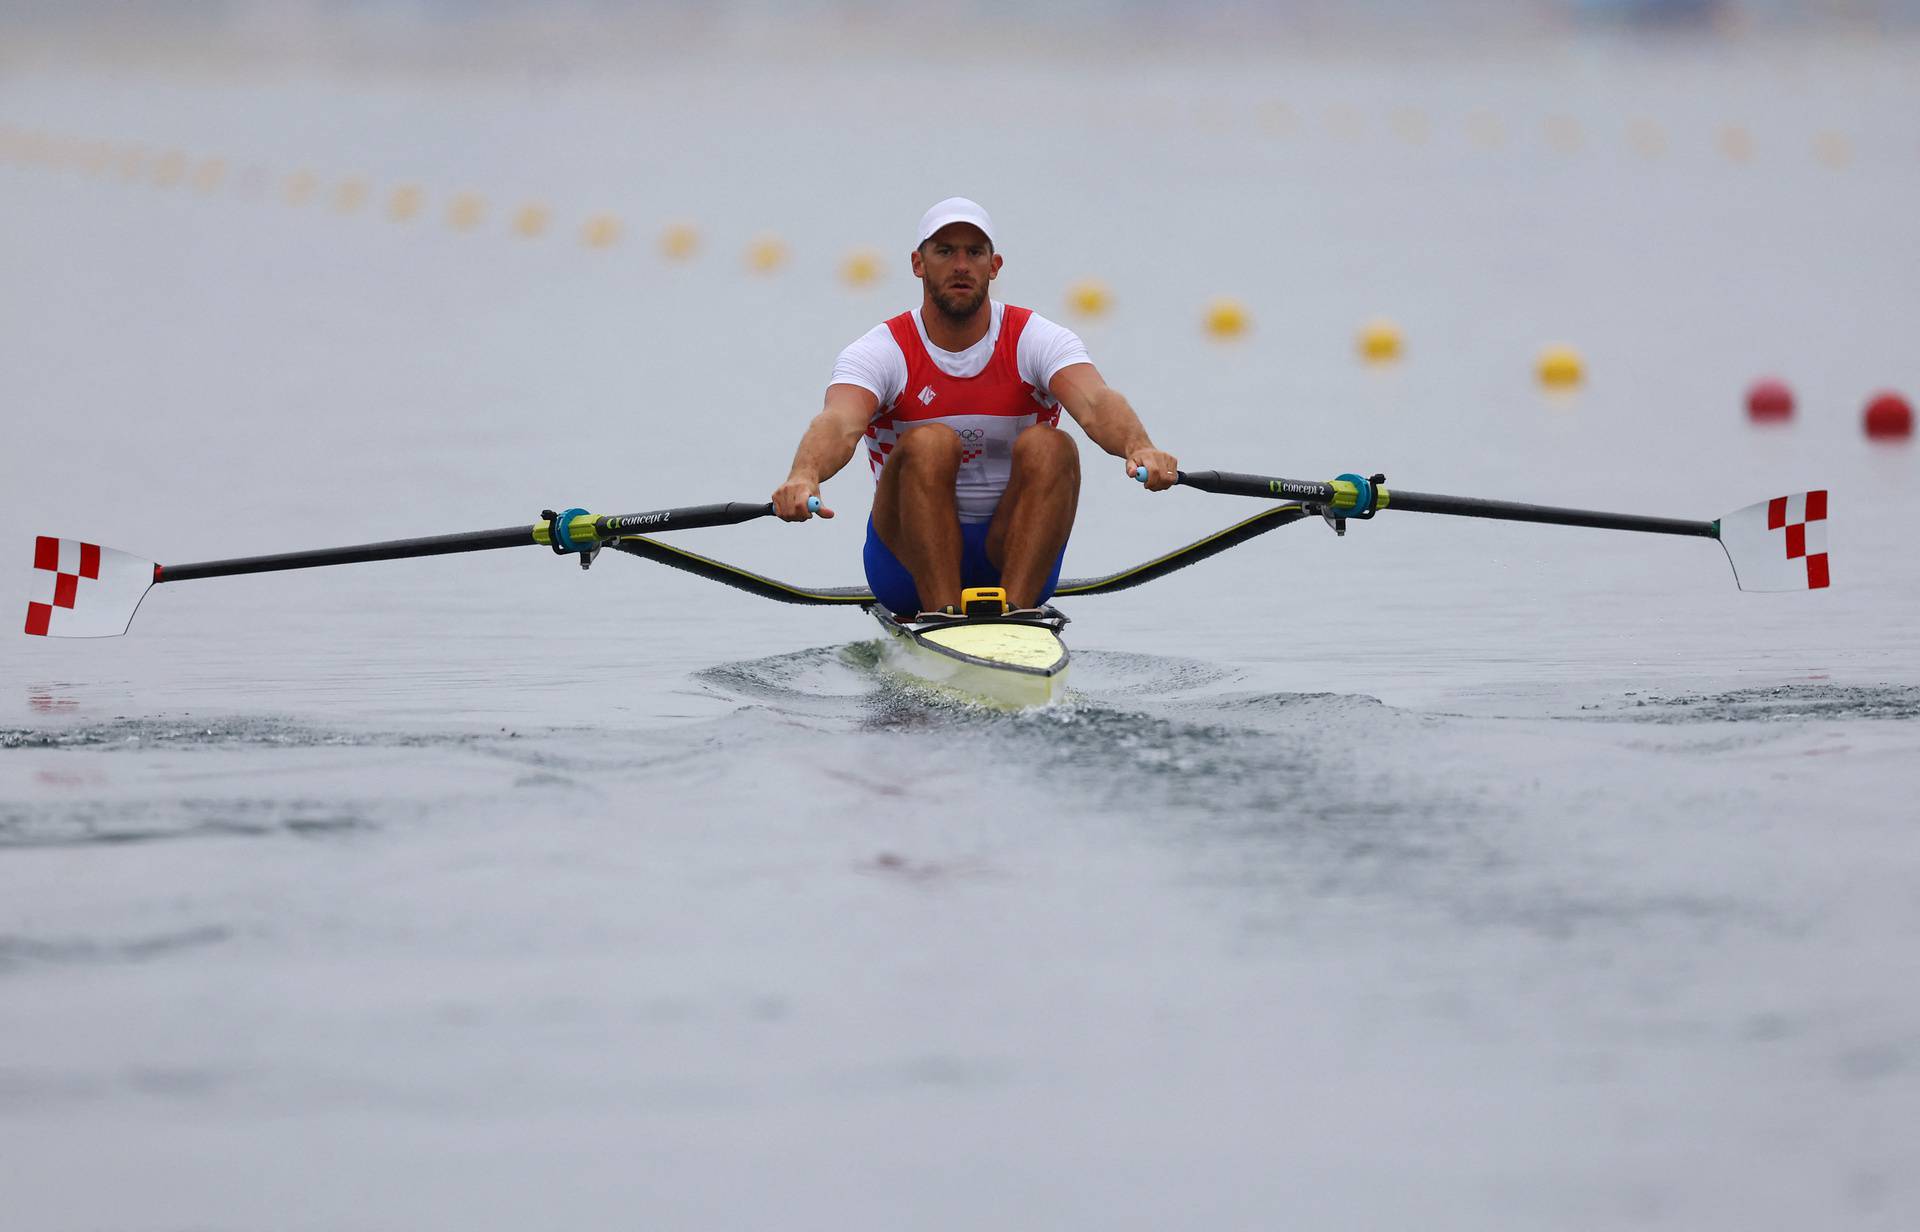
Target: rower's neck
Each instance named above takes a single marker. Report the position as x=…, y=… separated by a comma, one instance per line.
x=951, y=335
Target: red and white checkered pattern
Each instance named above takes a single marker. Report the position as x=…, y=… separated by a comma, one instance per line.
x=1779, y=544
x=1803, y=518
x=83, y=590
x=64, y=564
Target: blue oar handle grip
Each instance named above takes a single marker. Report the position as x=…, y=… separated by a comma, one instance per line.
x=813, y=504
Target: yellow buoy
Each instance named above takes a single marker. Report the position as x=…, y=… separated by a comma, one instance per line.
x=1379, y=341
x=1276, y=118
x=169, y=168
x=766, y=254
x=530, y=221
x=95, y=157
x=1833, y=149
x=465, y=211
x=209, y=175
x=1737, y=144
x=679, y=241
x=405, y=202
x=1563, y=134
x=1226, y=317
x=349, y=196
x=1560, y=367
x=299, y=187
x=1089, y=297
x=600, y=231
x=1410, y=125
x=1647, y=138
x=861, y=267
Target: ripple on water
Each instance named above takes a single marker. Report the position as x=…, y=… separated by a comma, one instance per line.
x=111, y=822
x=815, y=680
x=16, y=951
x=1778, y=704
x=227, y=731
x=849, y=682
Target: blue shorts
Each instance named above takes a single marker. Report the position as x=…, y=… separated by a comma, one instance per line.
x=893, y=585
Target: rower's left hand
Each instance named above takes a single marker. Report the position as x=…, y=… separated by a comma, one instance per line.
x=1161, y=468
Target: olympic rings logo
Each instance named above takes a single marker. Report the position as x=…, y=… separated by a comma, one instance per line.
x=972, y=436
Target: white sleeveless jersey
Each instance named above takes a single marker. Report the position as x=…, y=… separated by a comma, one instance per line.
x=988, y=394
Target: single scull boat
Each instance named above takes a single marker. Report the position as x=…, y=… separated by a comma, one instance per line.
x=1015, y=659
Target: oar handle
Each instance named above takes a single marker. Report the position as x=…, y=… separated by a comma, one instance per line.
x=689, y=517
x=1230, y=483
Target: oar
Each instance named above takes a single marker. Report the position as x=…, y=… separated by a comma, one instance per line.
x=1778, y=544
x=85, y=590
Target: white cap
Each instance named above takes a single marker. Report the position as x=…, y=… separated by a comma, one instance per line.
x=953, y=209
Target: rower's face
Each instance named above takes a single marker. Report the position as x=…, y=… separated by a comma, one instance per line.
x=956, y=264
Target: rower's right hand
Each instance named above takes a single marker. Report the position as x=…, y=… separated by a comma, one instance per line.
x=790, y=500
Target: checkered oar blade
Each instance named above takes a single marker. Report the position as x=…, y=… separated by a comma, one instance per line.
x=84, y=590
x=1779, y=544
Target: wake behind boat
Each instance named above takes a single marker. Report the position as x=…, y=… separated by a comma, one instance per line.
x=1000, y=658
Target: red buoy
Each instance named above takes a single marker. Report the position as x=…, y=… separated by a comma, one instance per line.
x=1889, y=417
x=1769, y=401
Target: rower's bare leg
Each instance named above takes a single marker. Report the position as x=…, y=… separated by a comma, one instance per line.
x=915, y=514
x=1036, y=512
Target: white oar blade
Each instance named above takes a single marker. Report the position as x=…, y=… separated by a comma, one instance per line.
x=1779, y=544
x=84, y=590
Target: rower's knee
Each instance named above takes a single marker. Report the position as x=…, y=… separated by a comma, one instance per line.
x=929, y=445
x=1047, y=448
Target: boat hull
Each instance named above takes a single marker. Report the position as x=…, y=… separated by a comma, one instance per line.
x=1008, y=662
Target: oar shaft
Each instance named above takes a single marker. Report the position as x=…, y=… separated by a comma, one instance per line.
x=354, y=554
x=1342, y=495
x=584, y=528
x=1512, y=511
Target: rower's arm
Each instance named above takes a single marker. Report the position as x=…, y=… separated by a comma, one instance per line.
x=1108, y=419
x=828, y=444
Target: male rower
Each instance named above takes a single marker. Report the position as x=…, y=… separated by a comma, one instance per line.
x=959, y=402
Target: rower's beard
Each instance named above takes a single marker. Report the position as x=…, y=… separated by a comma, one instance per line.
x=959, y=307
